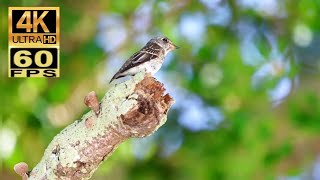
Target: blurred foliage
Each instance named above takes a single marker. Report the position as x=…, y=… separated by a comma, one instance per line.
x=246, y=84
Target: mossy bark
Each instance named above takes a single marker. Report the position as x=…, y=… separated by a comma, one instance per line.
x=135, y=108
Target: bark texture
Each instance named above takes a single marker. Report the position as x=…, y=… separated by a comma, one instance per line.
x=135, y=108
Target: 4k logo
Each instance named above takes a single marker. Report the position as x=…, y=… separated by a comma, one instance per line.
x=34, y=41
x=36, y=21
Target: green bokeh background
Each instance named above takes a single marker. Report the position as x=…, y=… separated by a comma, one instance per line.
x=226, y=45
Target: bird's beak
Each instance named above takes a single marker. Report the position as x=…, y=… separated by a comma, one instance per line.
x=174, y=46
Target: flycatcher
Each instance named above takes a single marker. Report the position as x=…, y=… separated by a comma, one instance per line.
x=149, y=59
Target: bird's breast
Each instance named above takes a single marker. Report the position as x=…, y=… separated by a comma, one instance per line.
x=153, y=65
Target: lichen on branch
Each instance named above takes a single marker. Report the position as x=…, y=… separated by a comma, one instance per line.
x=135, y=108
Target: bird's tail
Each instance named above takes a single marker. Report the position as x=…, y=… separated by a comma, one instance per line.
x=116, y=76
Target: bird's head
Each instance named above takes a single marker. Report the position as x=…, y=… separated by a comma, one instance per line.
x=165, y=43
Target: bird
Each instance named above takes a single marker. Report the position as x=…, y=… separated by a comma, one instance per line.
x=148, y=59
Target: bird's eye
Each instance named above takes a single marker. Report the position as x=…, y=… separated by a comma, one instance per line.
x=165, y=40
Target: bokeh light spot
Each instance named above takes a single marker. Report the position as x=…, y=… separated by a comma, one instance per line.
x=8, y=140
x=302, y=35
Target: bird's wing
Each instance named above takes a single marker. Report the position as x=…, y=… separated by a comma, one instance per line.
x=148, y=52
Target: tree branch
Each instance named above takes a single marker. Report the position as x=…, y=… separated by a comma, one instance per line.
x=135, y=108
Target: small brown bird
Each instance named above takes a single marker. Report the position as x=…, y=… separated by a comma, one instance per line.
x=149, y=59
